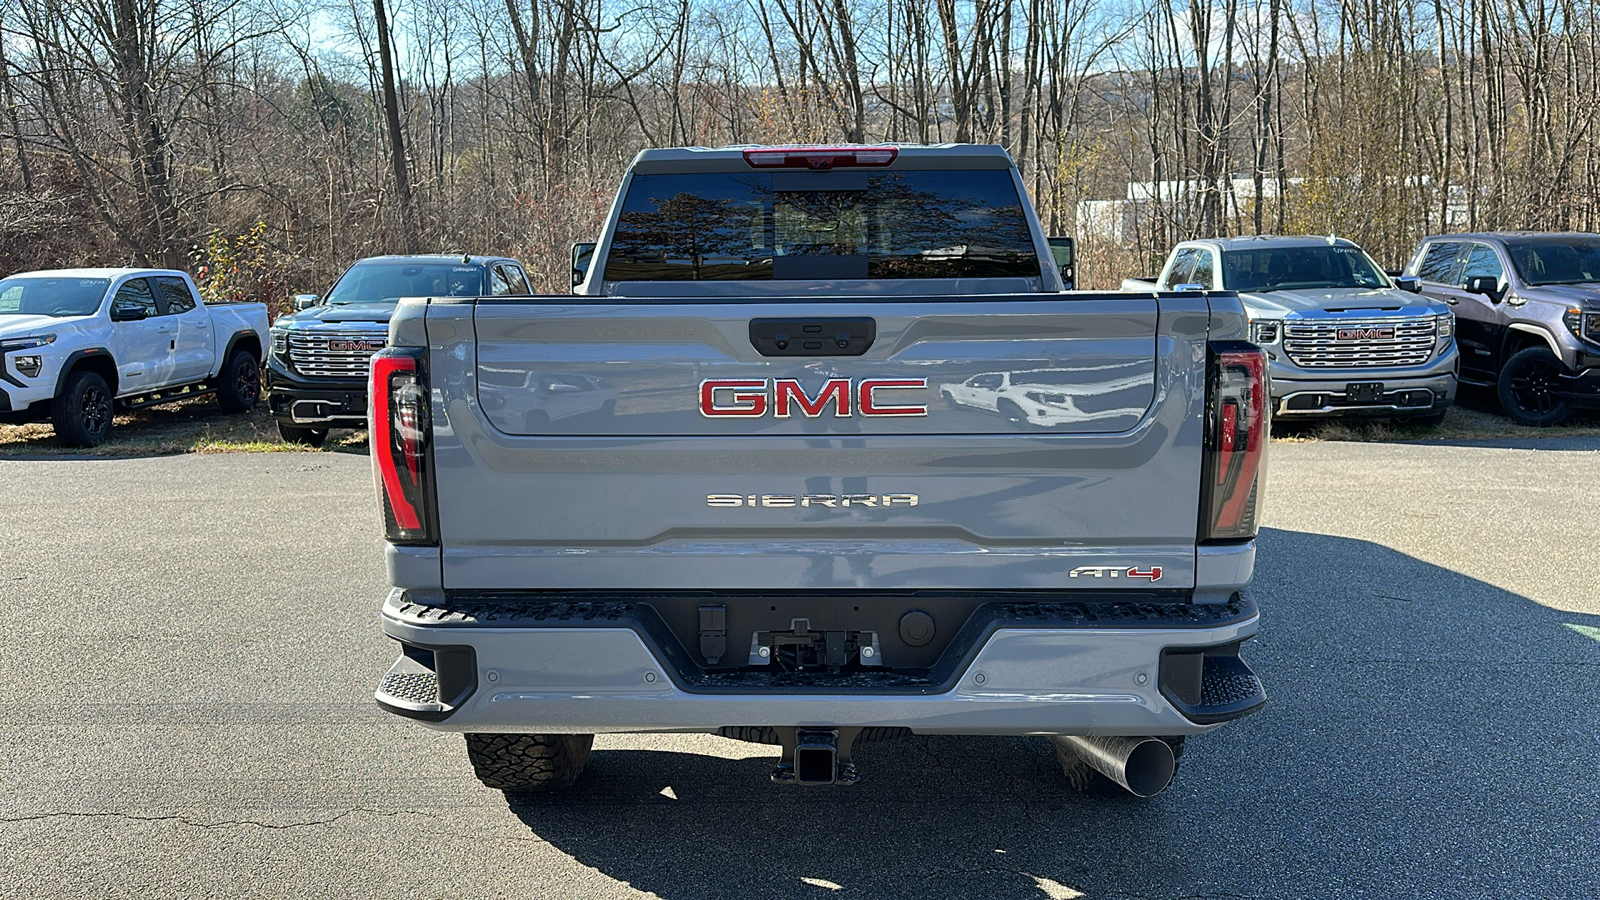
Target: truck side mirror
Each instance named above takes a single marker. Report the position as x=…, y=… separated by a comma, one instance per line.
x=582, y=256
x=1062, y=249
x=306, y=301
x=129, y=313
x=1408, y=283
x=1487, y=285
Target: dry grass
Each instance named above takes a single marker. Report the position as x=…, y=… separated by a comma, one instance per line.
x=194, y=426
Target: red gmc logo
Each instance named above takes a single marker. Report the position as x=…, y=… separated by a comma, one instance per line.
x=1365, y=334
x=785, y=397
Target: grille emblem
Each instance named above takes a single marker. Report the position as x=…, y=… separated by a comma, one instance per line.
x=365, y=346
x=1383, y=333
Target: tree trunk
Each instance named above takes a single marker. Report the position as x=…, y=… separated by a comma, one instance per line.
x=397, y=146
x=160, y=242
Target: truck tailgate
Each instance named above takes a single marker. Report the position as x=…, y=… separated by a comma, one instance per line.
x=1022, y=442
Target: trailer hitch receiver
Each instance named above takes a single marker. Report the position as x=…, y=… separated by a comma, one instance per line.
x=813, y=756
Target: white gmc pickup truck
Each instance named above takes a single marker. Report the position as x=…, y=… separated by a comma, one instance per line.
x=79, y=345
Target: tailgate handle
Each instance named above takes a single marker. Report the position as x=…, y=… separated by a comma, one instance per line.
x=848, y=336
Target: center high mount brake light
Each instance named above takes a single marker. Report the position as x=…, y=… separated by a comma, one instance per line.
x=820, y=157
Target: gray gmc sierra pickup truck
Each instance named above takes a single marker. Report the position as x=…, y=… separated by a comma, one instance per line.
x=734, y=484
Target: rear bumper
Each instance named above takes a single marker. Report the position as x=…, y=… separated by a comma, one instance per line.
x=323, y=402
x=1122, y=669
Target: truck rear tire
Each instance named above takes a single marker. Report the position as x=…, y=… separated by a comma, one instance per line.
x=239, y=383
x=306, y=437
x=528, y=762
x=82, y=412
x=1083, y=779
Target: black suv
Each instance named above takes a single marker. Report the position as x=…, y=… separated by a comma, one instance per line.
x=316, y=375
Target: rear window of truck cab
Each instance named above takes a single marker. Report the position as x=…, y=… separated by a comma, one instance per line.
x=763, y=226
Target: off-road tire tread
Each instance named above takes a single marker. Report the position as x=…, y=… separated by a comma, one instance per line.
x=528, y=762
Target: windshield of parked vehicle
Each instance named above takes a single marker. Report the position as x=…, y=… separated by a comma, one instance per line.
x=1552, y=260
x=1291, y=268
x=387, y=281
x=842, y=224
x=42, y=295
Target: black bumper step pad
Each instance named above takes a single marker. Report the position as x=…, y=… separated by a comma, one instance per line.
x=418, y=688
x=1211, y=685
x=428, y=683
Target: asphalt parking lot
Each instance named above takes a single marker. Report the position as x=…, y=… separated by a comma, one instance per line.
x=192, y=648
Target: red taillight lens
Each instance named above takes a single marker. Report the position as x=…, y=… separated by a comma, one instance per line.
x=1234, y=460
x=820, y=157
x=400, y=432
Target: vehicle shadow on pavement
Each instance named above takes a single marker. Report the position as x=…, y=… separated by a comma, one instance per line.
x=1428, y=734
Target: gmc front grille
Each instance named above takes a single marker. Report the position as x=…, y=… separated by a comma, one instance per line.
x=334, y=354
x=1359, y=343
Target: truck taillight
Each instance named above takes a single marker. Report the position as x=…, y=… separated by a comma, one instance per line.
x=820, y=157
x=400, y=434
x=1233, y=469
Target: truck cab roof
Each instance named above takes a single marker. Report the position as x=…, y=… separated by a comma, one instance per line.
x=1506, y=235
x=919, y=156
x=465, y=259
x=103, y=272
x=1262, y=241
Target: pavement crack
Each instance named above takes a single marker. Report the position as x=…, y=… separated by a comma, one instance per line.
x=194, y=823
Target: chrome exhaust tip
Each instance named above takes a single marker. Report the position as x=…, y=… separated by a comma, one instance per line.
x=1143, y=766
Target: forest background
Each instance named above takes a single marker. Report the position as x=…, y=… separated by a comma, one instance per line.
x=273, y=142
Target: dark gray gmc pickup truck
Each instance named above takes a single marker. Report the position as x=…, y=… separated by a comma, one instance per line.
x=820, y=453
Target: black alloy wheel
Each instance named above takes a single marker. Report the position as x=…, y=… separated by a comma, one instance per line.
x=83, y=412
x=1530, y=388
x=94, y=409
x=240, y=385
x=248, y=380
